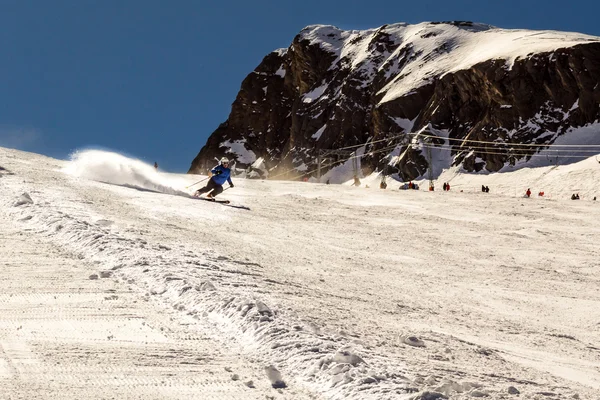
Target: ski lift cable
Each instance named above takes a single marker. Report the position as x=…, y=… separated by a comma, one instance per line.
x=388, y=138
x=553, y=151
x=388, y=148
x=548, y=146
x=521, y=153
x=553, y=147
x=515, y=154
x=463, y=141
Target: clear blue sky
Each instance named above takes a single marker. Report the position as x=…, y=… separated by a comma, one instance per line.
x=154, y=78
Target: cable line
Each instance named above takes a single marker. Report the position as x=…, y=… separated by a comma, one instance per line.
x=519, y=153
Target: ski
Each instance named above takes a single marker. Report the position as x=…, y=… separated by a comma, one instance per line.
x=212, y=200
x=216, y=201
x=222, y=202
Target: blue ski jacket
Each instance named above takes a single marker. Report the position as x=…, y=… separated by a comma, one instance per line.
x=221, y=174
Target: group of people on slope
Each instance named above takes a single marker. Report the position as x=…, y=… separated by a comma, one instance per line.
x=574, y=196
x=409, y=185
x=222, y=173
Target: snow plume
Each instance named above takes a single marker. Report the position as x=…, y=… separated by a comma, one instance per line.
x=116, y=169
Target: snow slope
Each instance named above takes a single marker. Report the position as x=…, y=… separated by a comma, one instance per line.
x=345, y=292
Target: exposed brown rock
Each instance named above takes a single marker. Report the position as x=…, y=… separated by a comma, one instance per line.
x=534, y=102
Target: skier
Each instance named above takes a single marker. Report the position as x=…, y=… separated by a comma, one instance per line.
x=528, y=193
x=220, y=174
x=155, y=165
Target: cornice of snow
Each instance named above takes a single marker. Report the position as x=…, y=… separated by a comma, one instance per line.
x=430, y=50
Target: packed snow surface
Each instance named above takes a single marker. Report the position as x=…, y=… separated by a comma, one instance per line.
x=322, y=291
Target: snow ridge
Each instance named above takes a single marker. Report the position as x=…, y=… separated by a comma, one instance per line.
x=430, y=50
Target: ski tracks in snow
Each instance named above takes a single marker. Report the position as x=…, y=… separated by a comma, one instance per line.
x=66, y=336
x=328, y=329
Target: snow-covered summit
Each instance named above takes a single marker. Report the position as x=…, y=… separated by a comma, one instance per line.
x=435, y=48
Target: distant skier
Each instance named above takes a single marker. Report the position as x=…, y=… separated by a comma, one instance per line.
x=528, y=192
x=156, y=166
x=219, y=175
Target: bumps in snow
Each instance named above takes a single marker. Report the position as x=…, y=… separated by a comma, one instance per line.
x=412, y=341
x=275, y=377
x=24, y=199
x=346, y=357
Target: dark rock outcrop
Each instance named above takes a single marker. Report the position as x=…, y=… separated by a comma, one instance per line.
x=398, y=93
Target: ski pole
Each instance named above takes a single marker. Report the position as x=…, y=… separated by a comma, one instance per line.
x=201, y=180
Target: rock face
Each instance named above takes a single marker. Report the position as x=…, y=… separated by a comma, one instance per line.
x=405, y=98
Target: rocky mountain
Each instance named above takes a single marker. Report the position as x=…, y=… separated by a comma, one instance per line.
x=403, y=98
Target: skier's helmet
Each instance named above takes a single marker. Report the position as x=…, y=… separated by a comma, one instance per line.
x=224, y=160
